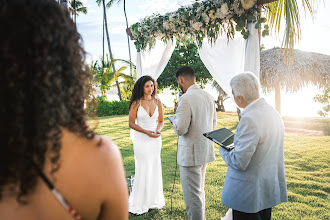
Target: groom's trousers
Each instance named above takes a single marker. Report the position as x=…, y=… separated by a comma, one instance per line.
x=192, y=181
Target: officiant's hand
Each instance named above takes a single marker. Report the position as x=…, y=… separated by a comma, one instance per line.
x=151, y=134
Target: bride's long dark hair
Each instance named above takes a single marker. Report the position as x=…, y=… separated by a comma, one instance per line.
x=138, y=90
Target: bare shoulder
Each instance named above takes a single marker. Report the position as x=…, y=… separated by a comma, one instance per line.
x=114, y=191
x=107, y=158
x=157, y=100
x=108, y=148
x=135, y=105
x=99, y=153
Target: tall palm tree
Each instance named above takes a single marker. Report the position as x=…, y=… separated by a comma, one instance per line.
x=108, y=5
x=108, y=39
x=75, y=7
x=128, y=44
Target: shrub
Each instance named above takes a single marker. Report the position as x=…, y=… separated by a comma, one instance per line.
x=107, y=108
x=99, y=106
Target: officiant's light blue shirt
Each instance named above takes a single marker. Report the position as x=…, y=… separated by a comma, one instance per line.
x=255, y=177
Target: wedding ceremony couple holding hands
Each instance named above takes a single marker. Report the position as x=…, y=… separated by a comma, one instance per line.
x=255, y=180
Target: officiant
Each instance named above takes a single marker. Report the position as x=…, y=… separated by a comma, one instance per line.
x=255, y=180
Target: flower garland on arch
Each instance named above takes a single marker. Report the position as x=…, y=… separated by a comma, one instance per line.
x=202, y=19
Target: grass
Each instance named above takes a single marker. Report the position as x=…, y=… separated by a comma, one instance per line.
x=307, y=162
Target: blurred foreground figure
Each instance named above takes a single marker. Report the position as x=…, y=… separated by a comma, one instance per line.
x=47, y=150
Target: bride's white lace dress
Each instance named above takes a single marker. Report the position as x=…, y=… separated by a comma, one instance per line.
x=147, y=191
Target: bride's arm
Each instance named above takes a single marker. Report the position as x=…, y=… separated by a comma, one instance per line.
x=131, y=120
x=160, y=124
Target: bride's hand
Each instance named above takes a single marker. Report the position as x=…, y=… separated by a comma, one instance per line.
x=151, y=134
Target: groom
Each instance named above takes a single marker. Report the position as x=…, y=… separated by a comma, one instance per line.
x=194, y=116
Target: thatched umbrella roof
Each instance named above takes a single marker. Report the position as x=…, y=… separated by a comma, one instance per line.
x=306, y=67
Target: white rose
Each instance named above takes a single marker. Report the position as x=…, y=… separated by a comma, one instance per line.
x=218, y=14
x=224, y=9
x=197, y=26
x=166, y=25
x=247, y=4
x=205, y=18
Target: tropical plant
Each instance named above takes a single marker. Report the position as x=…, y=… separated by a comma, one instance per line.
x=105, y=78
x=324, y=99
x=108, y=5
x=128, y=44
x=185, y=53
x=274, y=13
x=108, y=39
x=75, y=7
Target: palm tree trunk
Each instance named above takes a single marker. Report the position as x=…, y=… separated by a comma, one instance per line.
x=278, y=99
x=129, y=48
x=109, y=47
x=103, y=37
x=75, y=12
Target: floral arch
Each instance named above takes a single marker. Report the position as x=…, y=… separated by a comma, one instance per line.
x=213, y=26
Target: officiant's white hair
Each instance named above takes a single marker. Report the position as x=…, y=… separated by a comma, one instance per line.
x=246, y=85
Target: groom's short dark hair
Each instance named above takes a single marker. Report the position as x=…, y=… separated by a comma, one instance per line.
x=185, y=71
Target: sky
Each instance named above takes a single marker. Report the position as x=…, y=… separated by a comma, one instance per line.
x=315, y=36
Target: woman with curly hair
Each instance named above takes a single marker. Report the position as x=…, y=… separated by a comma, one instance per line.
x=47, y=150
x=145, y=109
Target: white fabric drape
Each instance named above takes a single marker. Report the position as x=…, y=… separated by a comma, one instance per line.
x=153, y=62
x=252, y=52
x=225, y=59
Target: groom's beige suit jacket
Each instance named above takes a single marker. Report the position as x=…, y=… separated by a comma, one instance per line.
x=195, y=115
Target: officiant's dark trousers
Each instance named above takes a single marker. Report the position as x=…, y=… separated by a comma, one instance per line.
x=261, y=215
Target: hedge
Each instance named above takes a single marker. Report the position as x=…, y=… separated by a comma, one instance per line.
x=99, y=106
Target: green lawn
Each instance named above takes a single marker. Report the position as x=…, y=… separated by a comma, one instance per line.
x=307, y=162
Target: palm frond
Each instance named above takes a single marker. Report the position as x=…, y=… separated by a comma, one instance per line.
x=290, y=10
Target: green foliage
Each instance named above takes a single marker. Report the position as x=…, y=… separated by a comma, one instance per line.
x=184, y=54
x=275, y=11
x=105, y=78
x=324, y=99
x=306, y=167
x=107, y=108
x=107, y=4
x=79, y=7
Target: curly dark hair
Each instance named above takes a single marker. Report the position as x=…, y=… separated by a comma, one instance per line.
x=138, y=90
x=43, y=85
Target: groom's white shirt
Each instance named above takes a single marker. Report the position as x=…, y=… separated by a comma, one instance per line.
x=195, y=115
x=255, y=177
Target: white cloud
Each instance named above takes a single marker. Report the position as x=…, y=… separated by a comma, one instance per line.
x=118, y=29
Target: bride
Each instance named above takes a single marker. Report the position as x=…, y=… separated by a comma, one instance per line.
x=144, y=111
